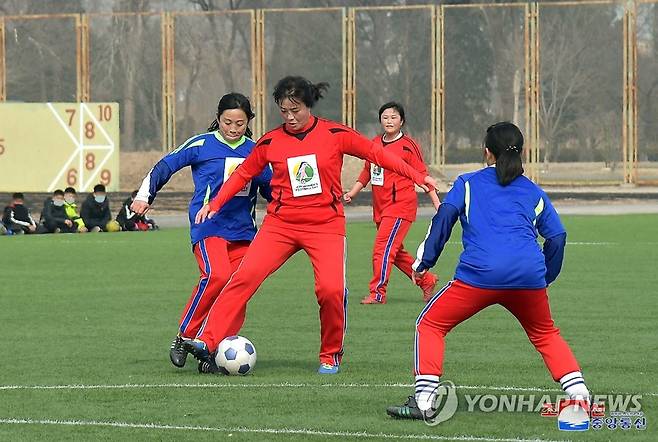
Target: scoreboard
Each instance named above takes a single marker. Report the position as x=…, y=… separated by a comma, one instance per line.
x=48, y=146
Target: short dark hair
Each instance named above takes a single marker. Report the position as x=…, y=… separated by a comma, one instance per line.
x=99, y=188
x=298, y=89
x=69, y=190
x=505, y=141
x=58, y=192
x=393, y=105
x=18, y=196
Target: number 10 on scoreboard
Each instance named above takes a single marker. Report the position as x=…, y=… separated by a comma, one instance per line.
x=45, y=146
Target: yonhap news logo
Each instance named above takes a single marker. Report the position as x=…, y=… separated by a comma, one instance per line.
x=625, y=411
x=444, y=404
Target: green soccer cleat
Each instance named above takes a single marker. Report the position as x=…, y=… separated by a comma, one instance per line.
x=408, y=410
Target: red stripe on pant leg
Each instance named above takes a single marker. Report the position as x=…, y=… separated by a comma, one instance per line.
x=532, y=310
x=269, y=250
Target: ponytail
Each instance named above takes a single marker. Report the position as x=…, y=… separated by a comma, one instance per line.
x=505, y=141
x=508, y=166
x=299, y=89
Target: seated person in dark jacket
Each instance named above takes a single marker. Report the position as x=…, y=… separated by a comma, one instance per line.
x=54, y=217
x=129, y=220
x=16, y=216
x=95, y=210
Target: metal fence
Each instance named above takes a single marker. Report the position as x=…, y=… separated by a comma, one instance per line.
x=578, y=77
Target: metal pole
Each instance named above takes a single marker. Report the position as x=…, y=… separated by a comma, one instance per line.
x=351, y=45
x=536, y=89
x=262, y=73
x=3, y=72
x=434, y=95
x=344, y=63
x=82, y=58
x=165, y=106
x=442, y=87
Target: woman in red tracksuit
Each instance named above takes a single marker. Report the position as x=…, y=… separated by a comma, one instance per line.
x=394, y=205
x=306, y=156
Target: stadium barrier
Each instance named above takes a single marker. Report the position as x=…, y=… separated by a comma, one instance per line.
x=577, y=77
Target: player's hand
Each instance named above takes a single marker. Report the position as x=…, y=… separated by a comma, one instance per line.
x=82, y=229
x=347, y=198
x=430, y=184
x=203, y=214
x=416, y=277
x=32, y=228
x=68, y=222
x=140, y=207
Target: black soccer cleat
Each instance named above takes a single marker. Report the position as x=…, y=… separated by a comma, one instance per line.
x=177, y=353
x=210, y=367
x=198, y=349
x=408, y=410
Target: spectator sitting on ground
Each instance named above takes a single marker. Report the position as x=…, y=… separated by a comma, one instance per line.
x=129, y=220
x=54, y=216
x=95, y=210
x=72, y=209
x=17, y=217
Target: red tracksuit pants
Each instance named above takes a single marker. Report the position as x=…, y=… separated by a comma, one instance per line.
x=388, y=251
x=458, y=301
x=272, y=247
x=217, y=259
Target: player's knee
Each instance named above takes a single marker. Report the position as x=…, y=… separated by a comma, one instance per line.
x=218, y=279
x=329, y=292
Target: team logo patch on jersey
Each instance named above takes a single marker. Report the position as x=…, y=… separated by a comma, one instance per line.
x=376, y=175
x=230, y=164
x=304, y=175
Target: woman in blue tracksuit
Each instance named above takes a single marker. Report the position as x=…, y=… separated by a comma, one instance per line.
x=501, y=213
x=220, y=242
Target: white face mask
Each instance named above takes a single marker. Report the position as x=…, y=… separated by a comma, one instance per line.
x=99, y=198
x=58, y=203
x=69, y=200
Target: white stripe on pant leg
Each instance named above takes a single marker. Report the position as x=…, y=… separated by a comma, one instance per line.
x=345, y=300
x=420, y=317
x=387, y=252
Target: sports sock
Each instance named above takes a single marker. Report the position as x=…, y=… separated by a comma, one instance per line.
x=574, y=385
x=426, y=386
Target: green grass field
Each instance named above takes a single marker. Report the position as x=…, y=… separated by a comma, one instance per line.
x=100, y=310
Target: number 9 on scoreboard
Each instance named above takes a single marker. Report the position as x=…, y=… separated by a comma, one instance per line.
x=48, y=146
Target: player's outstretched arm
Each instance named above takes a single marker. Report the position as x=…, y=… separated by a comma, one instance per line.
x=163, y=170
x=359, y=146
x=437, y=236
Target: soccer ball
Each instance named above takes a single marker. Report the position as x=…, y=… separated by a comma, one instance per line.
x=236, y=355
x=113, y=226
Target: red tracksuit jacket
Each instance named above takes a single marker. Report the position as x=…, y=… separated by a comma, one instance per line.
x=306, y=179
x=394, y=195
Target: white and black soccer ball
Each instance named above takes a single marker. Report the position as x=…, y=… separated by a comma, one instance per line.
x=236, y=355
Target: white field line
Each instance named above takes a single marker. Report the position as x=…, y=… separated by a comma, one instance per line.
x=288, y=431
x=276, y=385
